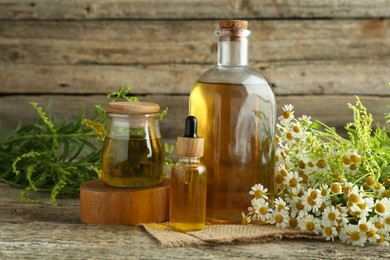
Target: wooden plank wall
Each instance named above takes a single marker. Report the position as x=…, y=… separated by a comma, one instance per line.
x=317, y=54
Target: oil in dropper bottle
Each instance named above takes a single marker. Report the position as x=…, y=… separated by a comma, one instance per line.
x=188, y=182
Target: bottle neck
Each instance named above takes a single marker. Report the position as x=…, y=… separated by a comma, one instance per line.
x=232, y=48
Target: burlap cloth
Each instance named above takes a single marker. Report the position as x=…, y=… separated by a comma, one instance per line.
x=223, y=234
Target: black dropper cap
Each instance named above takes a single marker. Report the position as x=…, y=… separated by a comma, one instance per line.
x=190, y=145
x=191, y=127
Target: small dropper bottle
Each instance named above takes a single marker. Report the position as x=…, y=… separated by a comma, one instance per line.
x=188, y=182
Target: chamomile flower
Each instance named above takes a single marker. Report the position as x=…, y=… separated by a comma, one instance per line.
x=293, y=221
x=378, y=222
x=372, y=233
x=305, y=121
x=363, y=208
x=355, y=195
x=296, y=130
x=310, y=200
x=386, y=221
x=309, y=223
x=378, y=188
x=293, y=180
x=382, y=207
x=245, y=219
x=288, y=114
x=287, y=136
x=332, y=215
x=336, y=188
x=280, y=218
x=280, y=205
x=258, y=191
x=384, y=238
x=328, y=230
x=260, y=210
x=352, y=234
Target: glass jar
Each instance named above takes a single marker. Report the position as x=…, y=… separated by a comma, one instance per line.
x=236, y=110
x=133, y=154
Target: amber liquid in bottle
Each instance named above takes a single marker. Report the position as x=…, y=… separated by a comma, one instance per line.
x=188, y=195
x=237, y=123
x=132, y=161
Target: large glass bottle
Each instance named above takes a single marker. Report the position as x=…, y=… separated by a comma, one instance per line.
x=236, y=110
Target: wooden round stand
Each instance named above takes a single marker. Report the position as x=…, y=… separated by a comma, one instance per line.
x=104, y=204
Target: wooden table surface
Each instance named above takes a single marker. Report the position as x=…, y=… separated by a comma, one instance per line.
x=49, y=232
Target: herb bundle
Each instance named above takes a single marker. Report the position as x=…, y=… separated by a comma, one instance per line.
x=327, y=184
x=49, y=155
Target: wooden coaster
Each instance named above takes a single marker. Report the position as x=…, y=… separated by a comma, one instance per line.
x=104, y=204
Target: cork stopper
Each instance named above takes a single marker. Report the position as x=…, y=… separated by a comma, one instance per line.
x=132, y=108
x=190, y=145
x=233, y=25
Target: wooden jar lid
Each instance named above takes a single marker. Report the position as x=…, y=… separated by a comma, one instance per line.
x=104, y=204
x=132, y=108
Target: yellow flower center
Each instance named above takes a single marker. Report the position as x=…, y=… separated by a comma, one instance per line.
x=378, y=225
x=354, y=198
x=301, y=164
x=278, y=218
x=286, y=114
x=263, y=210
x=370, y=181
x=323, y=207
x=299, y=205
x=279, y=179
x=353, y=167
x=335, y=188
x=310, y=201
x=378, y=186
x=387, y=181
x=296, y=129
x=354, y=158
x=346, y=190
x=324, y=192
x=381, y=239
x=244, y=221
x=289, y=136
x=380, y=208
x=313, y=194
x=258, y=194
x=362, y=205
x=386, y=193
x=328, y=231
x=280, y=207
x=331, y=216
x=346, y=160
x=321, y=164
x=283, y=172
x=304, y=177
x=363, y=227
x=311, y=164
x=371, y=233
x=354, y=235
x=310, y=226
x=387, y=220
x=293, y=182
x=293, y=222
